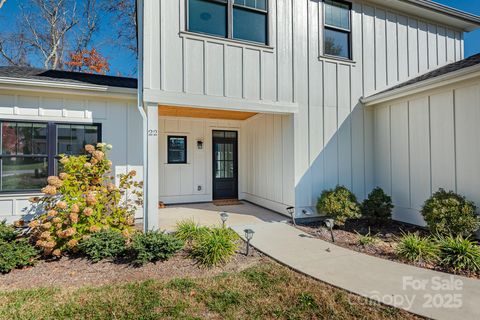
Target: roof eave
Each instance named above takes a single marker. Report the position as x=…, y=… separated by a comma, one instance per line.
x=72, y=88
x=452, y=77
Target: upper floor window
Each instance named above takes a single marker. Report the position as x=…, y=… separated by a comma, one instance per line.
x=337, y=27
x=235, y=19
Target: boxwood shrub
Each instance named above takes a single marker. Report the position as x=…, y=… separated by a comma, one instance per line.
x=449, y=213
x=154, y=246
x=106, y=244
x=378, y=205
x=339, y=203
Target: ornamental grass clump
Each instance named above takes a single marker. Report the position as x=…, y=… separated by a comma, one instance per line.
x=448, y=213
x=83, y=200
x=458, y=253
x=189, y=230
x=339, y=203
x=414, y=248
x=214, y=247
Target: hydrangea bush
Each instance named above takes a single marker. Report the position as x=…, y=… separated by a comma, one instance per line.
x=83, y=200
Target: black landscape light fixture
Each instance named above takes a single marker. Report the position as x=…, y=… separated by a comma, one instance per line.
x=330, y=223
x=291, y=212
x=224, y=217
x=199, y=144
x=248, y=235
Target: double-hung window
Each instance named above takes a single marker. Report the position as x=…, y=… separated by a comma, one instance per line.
x=337, y=29
x=29, y=151
x=234, y=19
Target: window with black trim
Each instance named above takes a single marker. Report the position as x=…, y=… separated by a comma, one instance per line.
x=235, y=19
x=29, y=151
x=177, y=149
x=337, y=29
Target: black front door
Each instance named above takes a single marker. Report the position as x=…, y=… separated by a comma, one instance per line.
x=225, y=165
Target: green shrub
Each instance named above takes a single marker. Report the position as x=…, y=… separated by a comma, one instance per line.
x=7, y=233
x=154, y=246
x=188, y=230
x=83, y=200
x=458, y=253
x=106, y=244
x=16, y=254
x=378, y=205
x=414, y=248
x=214, y=247
x=449, y=213
x=339, y=203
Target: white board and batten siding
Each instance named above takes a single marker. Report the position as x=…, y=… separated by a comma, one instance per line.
x=265, y=161
x=120, y=125
x=333, y=135
x=426, y=142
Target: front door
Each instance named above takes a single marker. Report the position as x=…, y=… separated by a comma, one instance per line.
x=225, y=165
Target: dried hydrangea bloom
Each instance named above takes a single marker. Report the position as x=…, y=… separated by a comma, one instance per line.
x=62, y=205
x=49, y=244
x=45, y=235
x=56, y=220
x=61, y=234
x=73, y=217
x=133, y=173
x=64, y=160
x=54, y=181
x=52, y=213
x=49, y=190
x=99, y=155
x=95, y=229
x=75, y=208
x=91, y=199
x=72, y=243
x=19, y=223
x=87, y=165
x=89, y=148
x=109, y=163
x=63, y=176
x=57, y=253
x=33, y=224
x=40, y=243
x=70, y=232
x=126, y=233
x=88, y=211
x=111, y=187
x=46, y=226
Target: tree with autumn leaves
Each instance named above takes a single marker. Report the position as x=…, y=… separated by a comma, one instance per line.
x=88, y=61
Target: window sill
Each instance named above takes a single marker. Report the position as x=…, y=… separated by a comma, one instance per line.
x=247, y=44
x=19, y=193
x=336, y=59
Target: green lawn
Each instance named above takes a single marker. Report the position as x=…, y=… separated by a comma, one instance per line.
x=261, y=292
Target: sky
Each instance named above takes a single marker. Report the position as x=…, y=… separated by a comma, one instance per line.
x=123, y=63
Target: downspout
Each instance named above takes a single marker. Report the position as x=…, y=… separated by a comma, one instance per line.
x=142, y=110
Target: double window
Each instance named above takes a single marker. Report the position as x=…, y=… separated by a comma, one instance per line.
x=337, y=31
x=235, y=19
x=29, y=151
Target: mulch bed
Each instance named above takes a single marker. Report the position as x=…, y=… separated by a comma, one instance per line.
x=75, y=272
x=386, y=234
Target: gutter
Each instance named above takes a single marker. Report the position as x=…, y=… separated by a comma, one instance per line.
x=414, y=88
x=142, y=110
x=443, y=9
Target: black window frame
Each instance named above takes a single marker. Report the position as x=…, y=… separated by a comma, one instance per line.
x=348, y=32
x=52, y=143
x=169, y=157
x=230, y=6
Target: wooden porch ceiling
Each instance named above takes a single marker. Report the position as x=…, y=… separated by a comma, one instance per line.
x=172, y=111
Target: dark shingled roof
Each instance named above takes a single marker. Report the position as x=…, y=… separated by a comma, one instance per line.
x=67, y=77
x=462, y=64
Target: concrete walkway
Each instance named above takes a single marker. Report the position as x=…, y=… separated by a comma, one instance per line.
x=208, y=214
x=421, y=291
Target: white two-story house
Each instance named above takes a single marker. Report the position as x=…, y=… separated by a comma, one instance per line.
x=270, y=101
x=261, y=100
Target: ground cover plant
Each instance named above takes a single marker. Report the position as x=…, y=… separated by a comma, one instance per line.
x=267, y=291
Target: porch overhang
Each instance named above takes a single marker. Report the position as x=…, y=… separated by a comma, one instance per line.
x=219, y=103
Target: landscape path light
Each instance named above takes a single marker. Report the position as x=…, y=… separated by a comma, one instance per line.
x=224, y=217
x=291, y=212
x=248, y=235
x=330, y=223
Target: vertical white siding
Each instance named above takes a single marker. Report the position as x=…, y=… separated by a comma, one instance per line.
x=434, y=143
x=120, y=121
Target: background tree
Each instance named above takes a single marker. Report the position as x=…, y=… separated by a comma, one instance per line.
x=47, y=31
x=88, y=61
x=124, y=20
